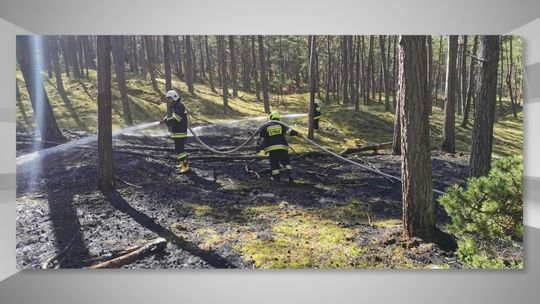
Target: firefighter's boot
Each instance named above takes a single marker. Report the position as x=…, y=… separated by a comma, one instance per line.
x=184, y=167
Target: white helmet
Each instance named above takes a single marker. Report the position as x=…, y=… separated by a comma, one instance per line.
x=173, y=94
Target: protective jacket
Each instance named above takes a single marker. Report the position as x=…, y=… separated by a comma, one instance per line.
x=273, y=135
x=178, y=121
x=317, y=113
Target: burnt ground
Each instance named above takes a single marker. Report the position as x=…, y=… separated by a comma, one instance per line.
x=210, y=215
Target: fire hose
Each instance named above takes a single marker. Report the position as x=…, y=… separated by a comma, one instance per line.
x=309, y=141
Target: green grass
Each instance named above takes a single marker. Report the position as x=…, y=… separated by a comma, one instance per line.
x=340, y=127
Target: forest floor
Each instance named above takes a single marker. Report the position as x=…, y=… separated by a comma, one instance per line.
x=221, y=214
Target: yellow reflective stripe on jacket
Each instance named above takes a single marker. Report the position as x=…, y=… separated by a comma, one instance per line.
x=181, y=155
x=176, y=116
x=276, y=147
x=178, y=135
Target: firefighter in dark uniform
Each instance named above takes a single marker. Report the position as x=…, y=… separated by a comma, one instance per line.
x=316, y=115
x=177, y=124
x=275, y=145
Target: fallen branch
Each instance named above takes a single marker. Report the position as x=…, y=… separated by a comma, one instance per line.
x=249, y=170
x=157, y=245
x=375, y=148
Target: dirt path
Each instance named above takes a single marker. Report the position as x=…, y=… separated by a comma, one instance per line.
x=219, y=215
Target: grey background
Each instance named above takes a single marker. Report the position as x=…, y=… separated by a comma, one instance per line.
x=269, y=17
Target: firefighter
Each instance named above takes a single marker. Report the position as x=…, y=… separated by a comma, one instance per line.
x=317, y=114
x=275, y=145
x=177, y=124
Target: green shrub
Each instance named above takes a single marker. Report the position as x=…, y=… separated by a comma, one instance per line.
x=487, y=216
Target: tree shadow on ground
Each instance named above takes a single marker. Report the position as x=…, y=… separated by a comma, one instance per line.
x=212, y=258
x=71, y=109
x=65, y=223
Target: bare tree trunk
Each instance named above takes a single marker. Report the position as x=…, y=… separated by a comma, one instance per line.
x=105, y=178
x=470, y=86
x=223, y=72
x=254, y=69
x=328, y=69
x=430, y=72
x=53, y=52
x=344, y=71
x=264, y=76
x=437, y=78
x=358, y=78
x=449, y=128
x=189, y=64
x=313, y=79
x=510, y=61
x=234, y=78
x=20, y=104
x=143, y=62
x=417, y=193
x=151, y=63
x=28, y=49
x=484, y=111
x=209, y=67
x=463, y=72
x=167, y=62
x=384, y=72
x=117, y=44
x=369, y=72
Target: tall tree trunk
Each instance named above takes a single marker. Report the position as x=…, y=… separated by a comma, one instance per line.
x=264, y=75
x=358, y=74
x=352, y=80
x=396, y=137
x=29, y=50
x=223, y=72
x=53, y=52
x=430, y=72
x=510, y=61
x=437, y=78
x=189, y=64
x=255, y=71
x=417, y=188
x=234, y=76
x=449, y=128
x=394, y=73
x=151, y=63
x=105, y=176
x=369, y=72
x=328, y=69
x=313, y=80
x=484, y=111
x=384, y=70
x=463, y=73
x=201, y=56
x=117, y=44
x=143, y=62
x=246, y=65
x=470, y=86
x=209, y=67
x=167, y=62
x=344, y=71
x=72, y=53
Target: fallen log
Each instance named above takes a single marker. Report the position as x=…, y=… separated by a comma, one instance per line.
x=157, y=245
x=375, y=148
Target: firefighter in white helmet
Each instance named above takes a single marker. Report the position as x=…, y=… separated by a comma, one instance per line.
x=177, y=124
